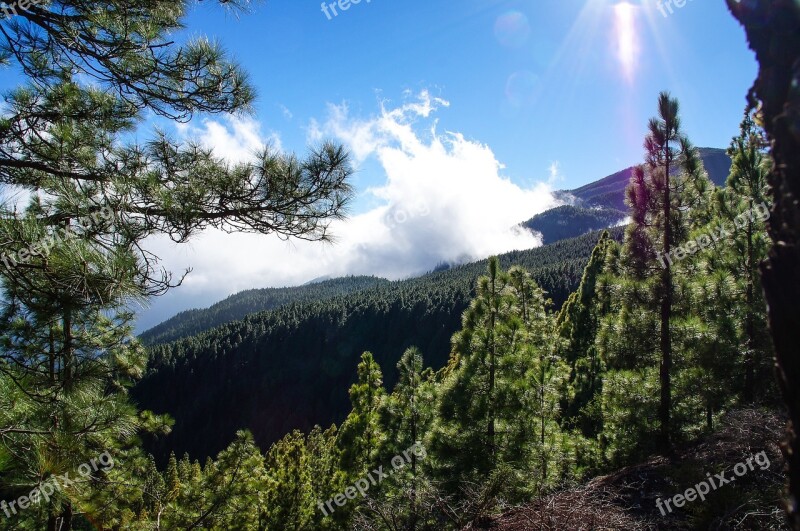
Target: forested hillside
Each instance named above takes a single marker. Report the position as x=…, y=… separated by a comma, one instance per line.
x=659, y=350
x=242, y=304
x=289, y=368
x=604, y=206
x=569, y=221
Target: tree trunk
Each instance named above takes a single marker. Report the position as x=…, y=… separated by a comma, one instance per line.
x=67, y=518
x=665, y=407
x=750, y=353
x=490, y=430
x=773, y=31
x=541, y=410
x=67, y=348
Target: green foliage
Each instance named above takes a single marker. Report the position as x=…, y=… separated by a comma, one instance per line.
x=528, y=400
x=498, y=404
x=744, y=205
x=361, y=435
x=717, y=329
x=628, y=431
x=290, y=502
x=645, y=295
x=569, y=221
x=407, y=412
x=75, y=258
x=239, y=306
x=577, y=324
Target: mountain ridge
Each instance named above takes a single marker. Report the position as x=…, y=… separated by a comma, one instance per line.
x=601, y=204
x=241, y=304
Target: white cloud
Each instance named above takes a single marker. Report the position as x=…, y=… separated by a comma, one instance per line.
x=555, y=173
x=624, y=221
x=286, y=112
x=234, y=138
x=443, y=198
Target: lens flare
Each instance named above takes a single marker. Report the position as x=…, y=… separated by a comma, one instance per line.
x=522, y=89
x=512, y=29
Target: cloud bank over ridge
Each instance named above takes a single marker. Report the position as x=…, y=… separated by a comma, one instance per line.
x=441, y=198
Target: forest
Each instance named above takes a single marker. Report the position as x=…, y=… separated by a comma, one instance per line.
x=579, y=385
x=530, y=398
x=240, y=305
x=245, y=364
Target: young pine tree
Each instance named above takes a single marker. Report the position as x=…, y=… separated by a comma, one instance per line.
x=577, y=324
x=669, y=196
x=745, y=204
x=498, y=402
x=406, y=415
x=289, y=500
x=361, y=435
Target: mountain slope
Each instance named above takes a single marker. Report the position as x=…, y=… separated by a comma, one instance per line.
x=291, y=367
x=601, y=204
x=598, y=205
x=609, y=192
x=569, y=221
x=242, y=304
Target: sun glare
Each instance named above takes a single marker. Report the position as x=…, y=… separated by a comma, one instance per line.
x=626, y=38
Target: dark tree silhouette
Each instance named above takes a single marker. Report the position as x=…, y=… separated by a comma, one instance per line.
x=773, y=31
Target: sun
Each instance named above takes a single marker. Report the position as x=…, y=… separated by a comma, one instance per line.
x=627, y=38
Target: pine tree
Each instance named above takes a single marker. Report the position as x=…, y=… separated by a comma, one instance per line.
x=643, y=298
x=289, y=501
x=745, y=205
x=468, y=402
x=173, y=481
x=546, y=373
x=154, y=491
x=498, y=401
x=577, y=324
x=75, y=258
x=406, y=417
x=664, y=131
x=325, y=480
x=361, y=434
x=722, y=347
x=404, y=410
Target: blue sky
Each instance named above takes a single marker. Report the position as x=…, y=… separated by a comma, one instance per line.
x=570, y=100
x=462, y=117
